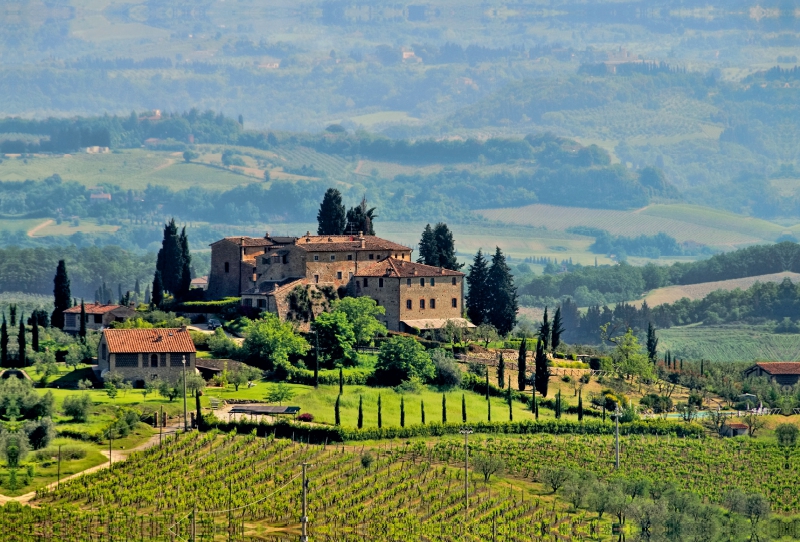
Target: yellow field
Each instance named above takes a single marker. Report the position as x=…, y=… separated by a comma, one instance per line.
x=671, y=294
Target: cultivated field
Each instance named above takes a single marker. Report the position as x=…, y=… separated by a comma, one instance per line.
x=729, y=343
x=671, y=294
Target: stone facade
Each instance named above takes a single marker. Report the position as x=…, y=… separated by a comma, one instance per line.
x=98, y=316
x=143, y=354
x=234, y=263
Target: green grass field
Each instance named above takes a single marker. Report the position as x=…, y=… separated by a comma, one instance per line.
x=729, y=343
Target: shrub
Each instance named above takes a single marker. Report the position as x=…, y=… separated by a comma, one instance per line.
x=40, y=432
x=478, y=369
x=448, y=373
x=77, y=407
x=399, y=359
x=68, y=453
x=305, y=417
x=330, y=377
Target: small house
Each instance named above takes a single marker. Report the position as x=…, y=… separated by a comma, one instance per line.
x=733, y=429
x=784, y=373
x=143, y=354
x=98, y=316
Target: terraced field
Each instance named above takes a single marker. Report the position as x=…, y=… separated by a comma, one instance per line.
x=683, y=222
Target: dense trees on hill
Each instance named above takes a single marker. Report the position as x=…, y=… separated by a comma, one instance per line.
x=649, y=246
x=437, y=247
x=492, y=296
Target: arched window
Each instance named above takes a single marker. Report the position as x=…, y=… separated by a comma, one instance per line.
x=153, y=360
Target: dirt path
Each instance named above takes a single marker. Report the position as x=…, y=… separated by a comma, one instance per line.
x=116, y=457
x=35, y=229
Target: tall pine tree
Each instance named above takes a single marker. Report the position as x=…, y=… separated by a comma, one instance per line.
x=4, y=343
x=35, y=333
x=438, y=248
x=62, y=295
x=331, y=217
x=522, y=364
x=428, y=251
x=158, y=290
x=169, y=261
x=652, y=343
x=502, y=308
x=21, y=344
x=501, y=371
x=185, y=282
x=542, y=371
x=478, y=296
x=82, y=328
x=557, y=330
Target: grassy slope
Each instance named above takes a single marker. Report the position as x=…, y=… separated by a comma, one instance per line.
x=729, y=343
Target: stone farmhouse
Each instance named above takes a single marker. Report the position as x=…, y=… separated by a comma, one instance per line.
x=266, y=272
x=98, y=316
x=142, y=354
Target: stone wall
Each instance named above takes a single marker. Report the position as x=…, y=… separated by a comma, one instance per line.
x=144, y=371
x=221, y=283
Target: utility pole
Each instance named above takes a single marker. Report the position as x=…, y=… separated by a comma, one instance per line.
x=304, y=519
x=185, y=423
x=617, y=414
x=466, y=431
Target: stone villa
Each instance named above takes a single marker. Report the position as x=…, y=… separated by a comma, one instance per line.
x=142, y=354
x=264, y=271
x=98, y=316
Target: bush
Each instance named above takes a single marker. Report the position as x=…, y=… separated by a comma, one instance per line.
x=40, y=432
x=77, y=407
x=401, y=358
x=305, y=417
x=476, y=368
x=330, y=377
x=448, y=373
x=68, y=453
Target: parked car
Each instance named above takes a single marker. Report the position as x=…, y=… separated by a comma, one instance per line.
x=214, y=324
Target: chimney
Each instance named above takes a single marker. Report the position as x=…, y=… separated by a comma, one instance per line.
x=361, y=238
x=183, y=328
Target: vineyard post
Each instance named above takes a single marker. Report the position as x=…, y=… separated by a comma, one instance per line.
x=160, y=424
x=58, y=482
x=304, y=519
x=466, y=431
x=617, y=413
x=185, y=423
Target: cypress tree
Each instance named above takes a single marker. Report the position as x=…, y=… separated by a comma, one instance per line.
x=477, y=296
x=341, y=381
x=558, y=404
x=380, y=414
x=535, y=406
x=136, y=289
x=444, y=408
x=360, y=412
x=22, y=358
x=4, y=343
x=185, y=280
x=510, y=402
x=652, y=343
x=82, y=329
x=522, y=365
x=361, y=219
x=501, y=371
x=12, y=312
x=542, y=371
x=545, y=331
x=61, y=294
x=331, y=217
x=147, y=294
x=158, y=290
x=170, y=259
x=487, y=385
x=428, y=252
x=336, y=414
x=502, y=307
x=444, y=247
x=489, y=410
x=557, y=330
x=422, y=411
x=402, y=411
x=681, y=362
x=702, y=371
x=580, y=406
x=463, y=408
x=35, y=334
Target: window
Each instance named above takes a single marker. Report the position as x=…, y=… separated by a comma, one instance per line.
x=276, y=259
x=98, y=318
x=126, y=360
x=349, y=257
x=227, y=267
x=333, y=257
x=175, y=360
x=422, y=282
x=366, y=282
x=163, y=360
x=408, y=304
x=371, y=256
x=262, y=303
x=285, y=258
x=104, y=352
x=70, y=321
x=316, y=257
x=433, y=281
x=422, y=304
x=454, y=303
x=433, y=303
x=339, y=275
x=265, y=261
x=248, y=302
x=408, y=282
x=153, y=360
x=316, y=279
x=454, y=281
x=380, y=283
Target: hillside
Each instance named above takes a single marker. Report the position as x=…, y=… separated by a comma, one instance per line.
x=671, y=294
x=729, y=343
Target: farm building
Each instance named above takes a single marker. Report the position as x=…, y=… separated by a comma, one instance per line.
x=733, y=429
x=98, y=316
x=785, y=373
x=141, y=354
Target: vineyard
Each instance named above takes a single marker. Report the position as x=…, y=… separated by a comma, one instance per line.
x=218, y=485
x=729, y=343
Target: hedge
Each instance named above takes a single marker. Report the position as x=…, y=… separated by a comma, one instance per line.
x=318, y=434
x=222, y=305
x=330, y=377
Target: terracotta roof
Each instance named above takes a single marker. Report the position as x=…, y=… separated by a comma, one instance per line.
x=736, y=425
x=346, y=243
x=392, y=267
x=780, y=367
x=134, y=341
x=247, y=241
x=94, y=308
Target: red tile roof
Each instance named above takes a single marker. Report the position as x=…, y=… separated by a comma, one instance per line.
x=247, y=241
x=737, y=425
x=780, y=367
x=93, y=308
x=392, y=267
x=134, y=341
x=347, y=243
